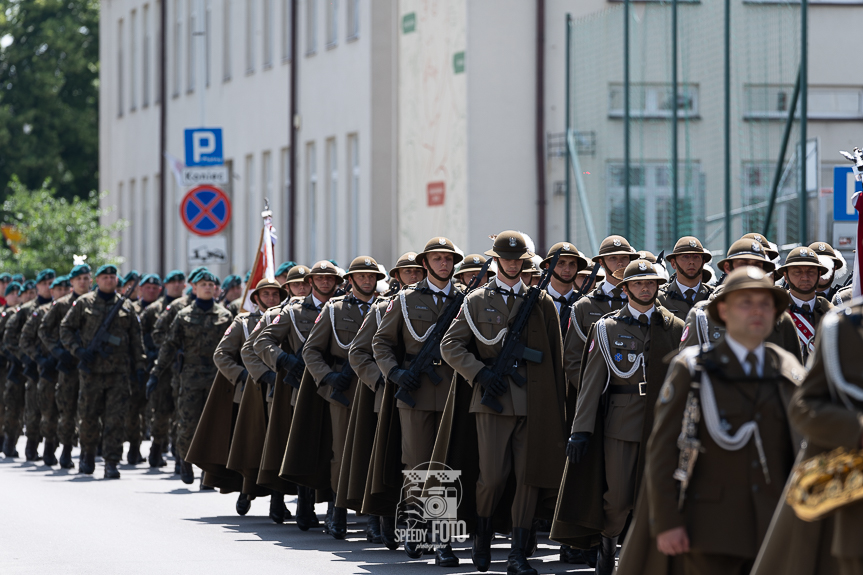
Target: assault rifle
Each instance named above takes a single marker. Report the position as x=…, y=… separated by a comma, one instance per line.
x=102, y=338
x=513, y=350
x=429, y=354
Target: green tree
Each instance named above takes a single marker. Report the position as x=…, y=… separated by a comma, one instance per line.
x=54, y=229
x=49, y=94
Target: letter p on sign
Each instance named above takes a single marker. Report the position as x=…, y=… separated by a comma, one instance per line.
x=204, y=147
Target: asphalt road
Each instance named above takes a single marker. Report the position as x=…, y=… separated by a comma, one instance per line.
x=55, y=521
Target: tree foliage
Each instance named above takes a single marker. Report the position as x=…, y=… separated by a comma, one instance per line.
x=49, y=90
x=55, y=228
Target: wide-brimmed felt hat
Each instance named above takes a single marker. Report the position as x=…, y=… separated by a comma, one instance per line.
x=407, y=260
x=825, y=249
x=689, y=245
x=744, y=278
x=747, y=249
x=473, y=262
x=802, y=256
x=765, y=243
x=267, y=284
x=509, y=245
x=639, y=270
x=615, y=246
x=566, y=250
x=439, y=244
x=365, y=264
x=298, y=274
x=326, y=268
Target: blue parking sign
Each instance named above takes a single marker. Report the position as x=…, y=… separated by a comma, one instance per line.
x=204, y=147
x=844, y=187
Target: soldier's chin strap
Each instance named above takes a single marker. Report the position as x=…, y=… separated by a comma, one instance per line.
x=439, y=278
x=649, y=302
x=800, y=291
x=691, y=277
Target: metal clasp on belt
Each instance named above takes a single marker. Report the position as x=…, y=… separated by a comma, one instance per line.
x=642, y=388
x=437, y=362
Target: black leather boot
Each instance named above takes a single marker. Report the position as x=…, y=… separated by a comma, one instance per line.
x=388, y=533
x=415, y=548
x=339, y=524
x=516, y=563
x=373, y=530
x=244, y=503
x=111, y=471
x=48, y=457
x=66, y=457
x=480, y=553
x=531, y=539
x=444, y=556
x=590, y=556
x=87, y=462
x=328, y=520
x=605, y=561
x=31, y=450
x=202, y=486
x=178, y=466
x=305, y=508
x=134, y=456
x=277, y=507
x=187, y=474
x=155, y=458
x=570, y=555
x=9, y=447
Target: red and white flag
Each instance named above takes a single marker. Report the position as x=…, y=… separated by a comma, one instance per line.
x=857, y=202
x=265, y=265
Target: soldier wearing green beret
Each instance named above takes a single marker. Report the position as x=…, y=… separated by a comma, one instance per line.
x=11, y=293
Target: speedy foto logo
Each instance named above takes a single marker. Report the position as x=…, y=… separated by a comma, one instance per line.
x=429, y=506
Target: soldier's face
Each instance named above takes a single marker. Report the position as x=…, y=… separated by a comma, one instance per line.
x=27, y=296
x=440, y=264
x=643, y=291
x=206, y=290
x=12, y=299
x=614, y=263
x=802, y=278
x=175, y=288
x=566, y=268
x=467, y=277
x=107, y=283
x=510, y=269
x=81, y=283
x=268, y=297
x=237, y=291
x=742, y=263
x=364, y=282
x=43, y=288
x=689, y=265
x=58, y=292
x=324, y=285
x=299, y=289
x=150, y=292
x=281, y=279
x=748, y=314
x=409, y=276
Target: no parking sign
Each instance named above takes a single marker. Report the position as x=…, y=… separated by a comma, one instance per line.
x=206, y=210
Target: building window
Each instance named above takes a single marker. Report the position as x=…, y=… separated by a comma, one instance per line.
x=353, y=236
x=178, y=38
x=250, y=36
x=353, y=19
x=145, y=220
x=133, y=69
x=252, y=205
x=145, y=56
x=208, y=19
x=771, y=102
x=286, y=29
x=157, y=67
x=226, y=42
x=192, y=19
x=268, y=33
x=333, y=203
x=120, y=68
x=653, y=101
x=286, y=191
x=312, y=199
x=311, y=27
x=332, y=23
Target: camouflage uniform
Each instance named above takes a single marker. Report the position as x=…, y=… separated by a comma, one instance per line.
x=21, y=398
x=195, y=332
x=33, y=347
x=164, y=398
x=136, y=419
x=5, y=313
x=105, y=390
x=66, y=392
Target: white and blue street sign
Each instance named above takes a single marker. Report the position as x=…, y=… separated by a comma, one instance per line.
x=844, y=187
x=204, y=147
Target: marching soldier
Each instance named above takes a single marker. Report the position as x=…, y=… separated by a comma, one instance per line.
x=467, y=270
x=331, y=337
x=34, y=348
x=408, y=270
x=196, y=331
x=721, y=444
x=687, y=288
x=68, y=379
x=825, y=288
x=562, y=277
x=409, y=320
x=232, y=289
x=104, y=372
x=13, y=395
x=581, y=279
x=620, y=382
x=283, y=270
x=700, y=329
x=530, y=274
x=5, y=280
x=11, y=342
x=160, y=402
x=525, y=438
x=9, y=389
x=828, y=410
x=801, y=270
x=5, y=283
x=269, y=346
x=296, y=283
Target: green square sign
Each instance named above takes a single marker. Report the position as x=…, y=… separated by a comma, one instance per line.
x=458, y=62
x=409, y=22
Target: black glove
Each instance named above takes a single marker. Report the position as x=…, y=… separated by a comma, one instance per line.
x=151, y=385
x=269, y=378
x=491, y=382
x=339, y=383
x=576, y=447
x=244, y=375
x=403, y=378
x=85, y=355
x=286, y=361
x=331, y=379
x=141, y=375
